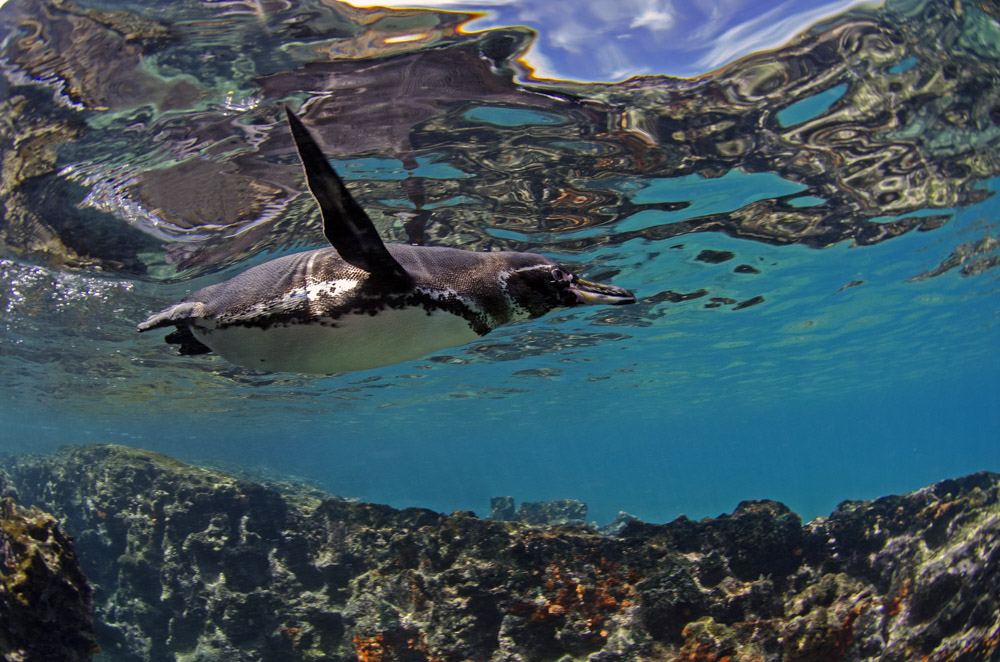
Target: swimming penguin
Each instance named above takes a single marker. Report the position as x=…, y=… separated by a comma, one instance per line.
x=362, y=303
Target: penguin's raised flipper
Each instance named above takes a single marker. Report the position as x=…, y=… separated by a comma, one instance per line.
x=345, y=223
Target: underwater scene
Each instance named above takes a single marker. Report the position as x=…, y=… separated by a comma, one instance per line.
x=801, y=196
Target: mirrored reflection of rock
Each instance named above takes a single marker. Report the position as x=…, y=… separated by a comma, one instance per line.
x=171, y=129
x=971, y=258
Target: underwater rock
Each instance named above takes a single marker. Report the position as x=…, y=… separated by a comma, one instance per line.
x=195, y=564
x=620, y=521
x=502, y=509
x=558, y=512
x=45, y=601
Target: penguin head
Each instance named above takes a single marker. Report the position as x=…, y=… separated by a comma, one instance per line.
x=547, y=286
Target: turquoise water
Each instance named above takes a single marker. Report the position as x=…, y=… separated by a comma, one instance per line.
x=810, y=107
x=812, y=239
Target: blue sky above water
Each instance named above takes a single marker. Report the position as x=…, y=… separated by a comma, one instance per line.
x=596, y=40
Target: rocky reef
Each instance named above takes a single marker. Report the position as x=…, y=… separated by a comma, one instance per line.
x=192, y=564
x=559, y=512
x=45, y=602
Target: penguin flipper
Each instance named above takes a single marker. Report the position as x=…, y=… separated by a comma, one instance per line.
x=174, y=315
x=345, y=224
x=177, y=315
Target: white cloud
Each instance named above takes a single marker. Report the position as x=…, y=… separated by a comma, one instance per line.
x=653, y=20
x=770, y=30
x=654, y=15
x=571, y=37
x=580, y=31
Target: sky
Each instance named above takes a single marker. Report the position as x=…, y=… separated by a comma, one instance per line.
x=600, y=41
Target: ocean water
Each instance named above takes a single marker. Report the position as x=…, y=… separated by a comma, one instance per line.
x=802, y=196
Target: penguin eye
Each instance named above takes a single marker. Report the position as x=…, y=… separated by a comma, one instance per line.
x=560, y=276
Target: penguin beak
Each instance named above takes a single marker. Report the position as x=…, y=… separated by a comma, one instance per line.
x=597, y=294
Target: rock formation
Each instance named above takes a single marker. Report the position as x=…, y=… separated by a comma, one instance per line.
x=45, y=602
x=189, y=563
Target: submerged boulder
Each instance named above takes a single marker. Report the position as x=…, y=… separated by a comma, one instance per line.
x=558, y=512
x=196, y=564
x=45, y=602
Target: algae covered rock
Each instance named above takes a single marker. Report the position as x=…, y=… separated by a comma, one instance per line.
x=196, y=564
x=558, y=512
x=45, y=602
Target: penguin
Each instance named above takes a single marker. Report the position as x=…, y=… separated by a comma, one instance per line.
x=361, y=303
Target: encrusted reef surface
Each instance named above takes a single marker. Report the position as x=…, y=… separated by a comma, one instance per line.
x=191, y=564
x=45, y=602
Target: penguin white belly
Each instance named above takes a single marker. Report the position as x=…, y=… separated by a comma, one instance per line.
x=351, y=342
